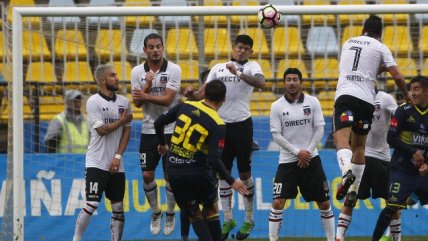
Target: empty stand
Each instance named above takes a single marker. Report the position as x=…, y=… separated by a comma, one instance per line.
x=287, y=41
x=110, y=44
x=217, y=42
x=398, y=40
x=123, y=70
x=77, y=72
x=181, y=43
x=138, y=21
x=317, y=19
x=424, y=69
x=266, y=68
x=63, y=20
x=327, y=102
x=34, y=22
x=325, y=73
x=103, y=21
x=42, y=72
x=260, y=46
x=352, y=18
x=1, y=46
x=284, y=64
x=35, y=46
x=322, y=41
x=137, y=41
x=423, y=43
x=286, y=18
x=50, y=106
x=69, y=45
x=213, y=20
x=351, y=31
x=393, y=18
x=189, y=70
x=252, y=19
x=171, y=20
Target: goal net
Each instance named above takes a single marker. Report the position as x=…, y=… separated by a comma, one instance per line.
x=58, y=49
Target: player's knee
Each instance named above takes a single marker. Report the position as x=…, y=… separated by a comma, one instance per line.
x=278, y=203
x=91, y=207
x=148, y=176
x=117, y=211
x=193, y=212
x=391, y=210
x=323, y=205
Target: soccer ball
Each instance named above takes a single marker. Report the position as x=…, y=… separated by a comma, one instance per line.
x=269, y=16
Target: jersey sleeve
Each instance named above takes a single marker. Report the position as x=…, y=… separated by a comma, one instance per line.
x=212, y=74
x=95, y=117
x=128, y=110
x=135, y=78
x=390, y=104
x=318, y=115
x=275, y=118
x=255, y=69
x=174, y=81
x=387, y=58
x=396, y=126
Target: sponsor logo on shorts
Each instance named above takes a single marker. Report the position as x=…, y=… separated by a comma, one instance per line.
x=346, y=117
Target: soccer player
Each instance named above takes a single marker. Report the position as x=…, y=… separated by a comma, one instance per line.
x=196, y=145
x=154, y=88
x=362, y=58
x=409, y=164
x=240, y=77
x=375, y=178
x=109, y=119
x=297, y=125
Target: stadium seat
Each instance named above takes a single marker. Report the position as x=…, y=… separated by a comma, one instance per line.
x=77, y=72
x=34, y=22
x=327, y=101
x=189, y=70
x=287, y=41
x=2, y=74
x=110, y=44
x=1, y=46
x=318, y=19
x=268, y=96
x=393, y=18
x=408, y=67
x=356, y=19
x=325, y=71
x=123, y=70
x=137, y=41
x=69, y=45
x=322, y=41
x=351, y=31
x=424, y=68
x=42, y=72
x=61, y=20
x=260, y=46
x=50, y=106
x=35, y=46
x=213, y=20
x=103, y=21
x=398, y=40
x=181, y=43
x=266, y=68
x=138, y=21
x=172, y=20
x=423, y=40
x=284, y=64
x=217, y=42
x=252, y=19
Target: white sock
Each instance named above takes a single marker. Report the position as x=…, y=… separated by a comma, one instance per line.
x=151, y=191
x=344, y=157
x=226, y=194
x=395, y=229
x=84, y=218
x=117, y=221
x=170, y=200
x=249, y=200
x=342, y=226
x=275, y=221
x=358, y=171
x=327, y=221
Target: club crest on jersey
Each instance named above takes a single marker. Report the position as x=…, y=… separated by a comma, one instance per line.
x=163, y=79
x=346, y=117
x=121, y=109
x=306, y=110
x=221, y=143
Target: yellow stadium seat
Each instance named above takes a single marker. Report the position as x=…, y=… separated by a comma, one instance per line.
x=123, y=70
x=181, y=43
x=213, y=20
x=189, y=70
x=424, y=68
x=217, y=61
x=217, y=42
x=291, y=63
x=398, y=40
x=110, y=44
x=407, y=67
x=352, y=18
x=287, y=41
x=260, y=45
x=318, y=19
x=351, y=31
x=1, y=46
x=138, y=20
x=77, y=72
x=266, y=68
x=69, y=44
x=32, y=21
x=263, y=96
x=252, y=19
x=41, y=72
x=325, y=68
x=423, y=43
x=393, y=18
x=50, y=106
x=326, y=95
x=35, y=46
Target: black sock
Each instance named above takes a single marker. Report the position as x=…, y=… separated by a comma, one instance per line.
x=214, y=227
x=185, y=224
x=382, y=223
x=202, y=230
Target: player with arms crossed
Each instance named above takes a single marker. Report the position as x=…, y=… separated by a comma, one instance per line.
x=196, y=145
x=240, y=77
x=154, y=88
x=362, y=58
x=375, y=178
x=109, y=119
x=409, y=164
x=297, y=125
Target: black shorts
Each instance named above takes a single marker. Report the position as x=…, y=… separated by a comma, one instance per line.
x=98, y=181
x=312, y=183
x=375, y=180
x=194, y=189
x=238, y=143
x=350, y=111
x=403, y=184
x=149, y=155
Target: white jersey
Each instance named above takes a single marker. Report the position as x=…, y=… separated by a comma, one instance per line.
x=376, y=144
x=236, y=107
x=169, y=76
x=296, y=121
x=103, y=110
x=360, y=61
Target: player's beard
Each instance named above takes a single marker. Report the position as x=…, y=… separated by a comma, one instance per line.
x=112, y=88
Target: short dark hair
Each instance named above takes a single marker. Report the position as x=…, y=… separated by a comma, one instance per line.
x=203, y=76
x=422, y=80
x=215, y=91
x=293, y=71
x=152, y=36
x=373, y=26
x=244, y=39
